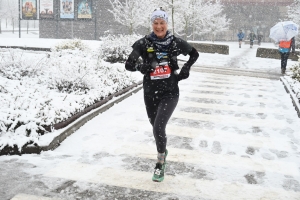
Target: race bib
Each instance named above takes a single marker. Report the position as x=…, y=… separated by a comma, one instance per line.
x=161, y=72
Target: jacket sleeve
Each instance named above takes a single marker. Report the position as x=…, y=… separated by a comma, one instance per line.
x=185, y=70
x=131, y=63
x=193, y=57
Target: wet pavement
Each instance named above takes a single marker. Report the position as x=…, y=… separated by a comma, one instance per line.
x=230, y=137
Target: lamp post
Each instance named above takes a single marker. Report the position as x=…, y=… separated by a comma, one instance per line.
x=19, y=19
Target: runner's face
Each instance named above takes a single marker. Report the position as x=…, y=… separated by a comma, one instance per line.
x=160, y=28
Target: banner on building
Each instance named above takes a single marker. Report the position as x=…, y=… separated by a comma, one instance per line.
x=46, y=9
x=29, y=9
x=67, y=9
x=85, y=9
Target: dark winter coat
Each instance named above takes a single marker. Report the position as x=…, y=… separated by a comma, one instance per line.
x=252, y=36
x=164, y=87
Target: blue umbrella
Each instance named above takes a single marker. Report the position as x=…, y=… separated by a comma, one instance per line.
x=284, y=31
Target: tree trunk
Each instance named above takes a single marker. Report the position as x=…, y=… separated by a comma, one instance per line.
x=13, y=25
x=186, y=31
x=131, y=30
x=0, y=27
x=173, y=29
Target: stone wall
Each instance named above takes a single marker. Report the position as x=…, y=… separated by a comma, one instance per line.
x=274, y=53
x=211, y=48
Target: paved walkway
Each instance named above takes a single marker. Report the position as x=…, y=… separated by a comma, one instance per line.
x=231, y=137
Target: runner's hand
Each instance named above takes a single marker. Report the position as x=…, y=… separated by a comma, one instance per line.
x=145, y=68
x=184, y=72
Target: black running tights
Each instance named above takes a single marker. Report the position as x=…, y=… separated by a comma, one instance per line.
x=284, y=58
x=159, y=112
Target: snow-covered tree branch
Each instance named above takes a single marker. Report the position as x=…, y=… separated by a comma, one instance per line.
x=294, y=15
x=131, y=13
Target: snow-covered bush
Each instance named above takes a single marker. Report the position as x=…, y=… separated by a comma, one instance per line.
x=116, y=48
x=64, y=82
x=70, y=70
x=21, y=102
x=75, y=44
x=294, y=79
x=14, y=65
x=296, y=71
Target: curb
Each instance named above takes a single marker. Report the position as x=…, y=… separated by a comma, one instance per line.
x=73, y=126
x=27, y=48
x=295, y=100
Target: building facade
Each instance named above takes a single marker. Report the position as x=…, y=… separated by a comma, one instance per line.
x=101, y=23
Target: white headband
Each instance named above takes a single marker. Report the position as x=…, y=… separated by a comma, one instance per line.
x=159, y=14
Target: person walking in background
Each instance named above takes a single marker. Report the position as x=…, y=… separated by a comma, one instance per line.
x=259, y=38
x=240, y=36
x=159, y=51
x=284, y=49
x=252, y=37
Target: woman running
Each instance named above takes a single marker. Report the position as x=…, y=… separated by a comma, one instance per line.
x=159, y=51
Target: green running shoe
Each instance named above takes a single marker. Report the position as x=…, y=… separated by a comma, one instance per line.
x=159, y=170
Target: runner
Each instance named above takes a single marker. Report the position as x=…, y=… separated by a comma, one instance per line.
x=159, y=51
x=241, y=36
x=251, y=37
x=259, y=38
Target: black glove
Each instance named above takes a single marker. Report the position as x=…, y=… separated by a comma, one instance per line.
x=145, y=68
x=184, y=72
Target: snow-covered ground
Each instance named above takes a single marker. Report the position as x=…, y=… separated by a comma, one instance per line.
x=240, y=142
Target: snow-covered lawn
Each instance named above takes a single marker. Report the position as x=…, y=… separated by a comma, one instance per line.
x=40, y=89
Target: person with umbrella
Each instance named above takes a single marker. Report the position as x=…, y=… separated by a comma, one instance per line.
x=284, y=50
x=284, y=33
